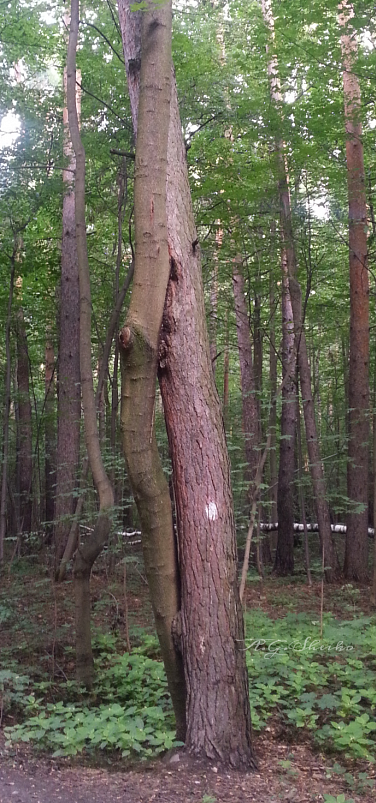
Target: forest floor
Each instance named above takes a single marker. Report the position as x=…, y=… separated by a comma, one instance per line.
x=25, y=778
x=287, y=770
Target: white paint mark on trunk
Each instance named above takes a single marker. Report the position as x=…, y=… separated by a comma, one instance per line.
x=211, y=511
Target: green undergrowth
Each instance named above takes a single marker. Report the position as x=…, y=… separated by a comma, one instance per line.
x=128, y=709
x=324, y=687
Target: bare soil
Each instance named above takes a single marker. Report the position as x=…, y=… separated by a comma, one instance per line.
x=26, y=778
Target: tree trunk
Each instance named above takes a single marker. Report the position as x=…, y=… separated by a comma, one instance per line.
x=218, y=716
x=273, y=472
x=356, y=553
x=213, y=309
x=68, y=388
x=89, y=551
x=251, y=424
x=284, y=558
x=226, y=378
x=25, y=446
x=8, y=367
x=139, y=342
x=316, y=468
x=49, y=435
x=330, y=558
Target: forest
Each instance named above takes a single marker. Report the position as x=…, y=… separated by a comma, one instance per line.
x=188, y=396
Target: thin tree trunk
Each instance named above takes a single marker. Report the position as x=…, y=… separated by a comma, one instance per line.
x=316, y=468
x=273, y=471
x=356, y=553
x=49, y=435
x=5, y=450
x=89, y=551
x=251, y=424
x=373, y=588
x=226, y=377
x=284, y=558
x=72, y=539
x=218, y=717
x=25, y=447
x=213, y=310
x=69, y=394
x=331, y=564
x=302, y=497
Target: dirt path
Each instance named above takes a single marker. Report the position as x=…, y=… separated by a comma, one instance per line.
x=302, y=777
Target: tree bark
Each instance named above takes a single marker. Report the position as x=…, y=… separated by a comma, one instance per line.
x=139, y=341
x=89, y=551
x=24, y=422
x=68, y=387
x=356, y=553
x=218, y=716
x=8, y=367
x=273, y=471
x=284, y=558
x=294, y=291
x=49, y=435
x=251, y=424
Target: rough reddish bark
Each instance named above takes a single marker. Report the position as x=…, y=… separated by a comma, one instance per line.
x=210, y=627
x=218, y=718
x=356, y=553
x=69, y=394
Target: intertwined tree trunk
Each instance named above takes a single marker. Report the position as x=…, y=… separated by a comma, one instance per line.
x=356, y=554
x=210, y=626
x=140, y=337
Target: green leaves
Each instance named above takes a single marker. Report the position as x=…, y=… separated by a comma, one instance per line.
x=318, y=685
x=145, y=727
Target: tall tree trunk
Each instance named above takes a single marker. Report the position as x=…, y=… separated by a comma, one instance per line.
x=49, y=434
x=89, y=551
x=290, y=261
x=330, y=558
x=251, y=424
x=218, y=716
x=69, y=394
x=284, y=558
x=8, y=367
x=356, y=553
x=139, y=342
x=226, y=379
x=273, y=472
x=213, y=310
x=25, y=446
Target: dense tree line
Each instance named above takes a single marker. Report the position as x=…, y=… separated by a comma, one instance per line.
x=215, y=206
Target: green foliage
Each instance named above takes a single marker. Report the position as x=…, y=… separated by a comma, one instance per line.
x=326, y=686
x=129, y=711
x=338, y=799
x=13, y=688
